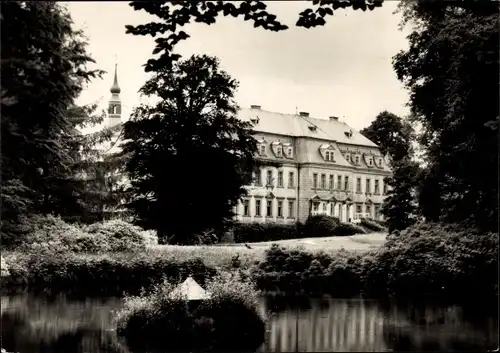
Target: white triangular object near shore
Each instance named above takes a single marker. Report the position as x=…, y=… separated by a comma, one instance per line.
x=190, y=289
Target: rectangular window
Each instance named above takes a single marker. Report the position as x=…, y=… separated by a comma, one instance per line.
x=280, y=208
x=262, y=150
x=331, y=182
x=280, y=179
x=346, y=183
x=376, y=209
x=291, y=178
x=246, y=210
x=385, y=188
x=358, y=208
x=358, y=185
x=256, y=178
x=369, y=209
x=315, y=181
x=357, y=160
x=324, y=207
x=269, y=180
x=315, y=206
x=377, y=186
x=290, y=152
x=257, y=207
x=368, y=186
x=323, y=181
x=339, y=182
x=269, y=208
x=290, y=209
x=279, y=151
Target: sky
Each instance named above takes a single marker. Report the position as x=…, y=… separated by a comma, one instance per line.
x=342, y=69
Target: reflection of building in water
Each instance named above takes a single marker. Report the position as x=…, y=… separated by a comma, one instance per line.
x=344, y=326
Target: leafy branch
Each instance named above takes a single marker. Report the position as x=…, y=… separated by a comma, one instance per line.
x=174, y=15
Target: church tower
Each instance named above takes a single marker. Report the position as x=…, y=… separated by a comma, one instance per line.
x=115, y=103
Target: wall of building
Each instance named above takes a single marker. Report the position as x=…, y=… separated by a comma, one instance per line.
x=336, y=197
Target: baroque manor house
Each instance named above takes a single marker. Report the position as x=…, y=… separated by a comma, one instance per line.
x=316, y=166
x=310, y=166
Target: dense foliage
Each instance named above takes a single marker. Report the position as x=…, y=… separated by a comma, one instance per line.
x=174, y=15
x=190, y=156
x=451, y=71
x=49, y=233
x=98, y=174
x=44, y=153
x=43, y=71
x=395, y=137
x=208, y=325
x=96, y=275
x=314, y=227
x=426, y=260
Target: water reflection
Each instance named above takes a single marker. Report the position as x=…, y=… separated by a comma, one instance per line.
x=38, y=324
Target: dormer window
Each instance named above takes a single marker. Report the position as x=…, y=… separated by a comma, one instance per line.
x=348, y=133
x=347, y=157
x=380, y=162
x=288, y=150
x=277, y=149
x=262, y=147
x=327, y=151
x=312, y=128
x=356, y=160
x=254, y=119
x=370, y=162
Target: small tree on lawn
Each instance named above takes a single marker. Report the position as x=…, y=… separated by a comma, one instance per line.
x=189, y=154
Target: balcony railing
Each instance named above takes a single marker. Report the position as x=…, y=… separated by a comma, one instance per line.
x=359, y=215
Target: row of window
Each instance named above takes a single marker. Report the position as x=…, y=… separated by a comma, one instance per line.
x=269, y=180
x=279, y=150
x=267, y=207
x=325, y=209
x=346, y=185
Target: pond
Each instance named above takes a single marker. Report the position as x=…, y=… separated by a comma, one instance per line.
x=36, y=324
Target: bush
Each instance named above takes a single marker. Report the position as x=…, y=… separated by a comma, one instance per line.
x=425, y=260
x=320, y=226
x=297, y=272
x=52, y=233
x=119, y=235
x=109, y=274
x=229, y=320
x=346, y=229
x=259, y=232
x=372, y=225
x=435, y=260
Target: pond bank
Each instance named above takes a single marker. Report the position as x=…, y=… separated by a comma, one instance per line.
x=424, y=261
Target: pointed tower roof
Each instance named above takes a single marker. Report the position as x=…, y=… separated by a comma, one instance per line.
x=115, y=89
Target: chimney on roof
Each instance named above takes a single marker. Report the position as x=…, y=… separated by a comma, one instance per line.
x=334, y=118
x=306, y=114
x=257, y=107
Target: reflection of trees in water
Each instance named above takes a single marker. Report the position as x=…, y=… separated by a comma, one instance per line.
x=329, y=325
x=358, y=325
x=438, y=328
x=33, y=325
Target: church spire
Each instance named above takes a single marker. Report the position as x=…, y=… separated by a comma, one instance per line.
x=115, y=104
x=115, y=89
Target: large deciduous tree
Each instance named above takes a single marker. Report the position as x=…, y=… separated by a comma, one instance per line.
x=44, y=68
x=395, y=138
x=174, y=15
x=451, y=71
x=190, y=156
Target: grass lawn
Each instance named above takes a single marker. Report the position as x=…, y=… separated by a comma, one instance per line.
x=222, y=254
